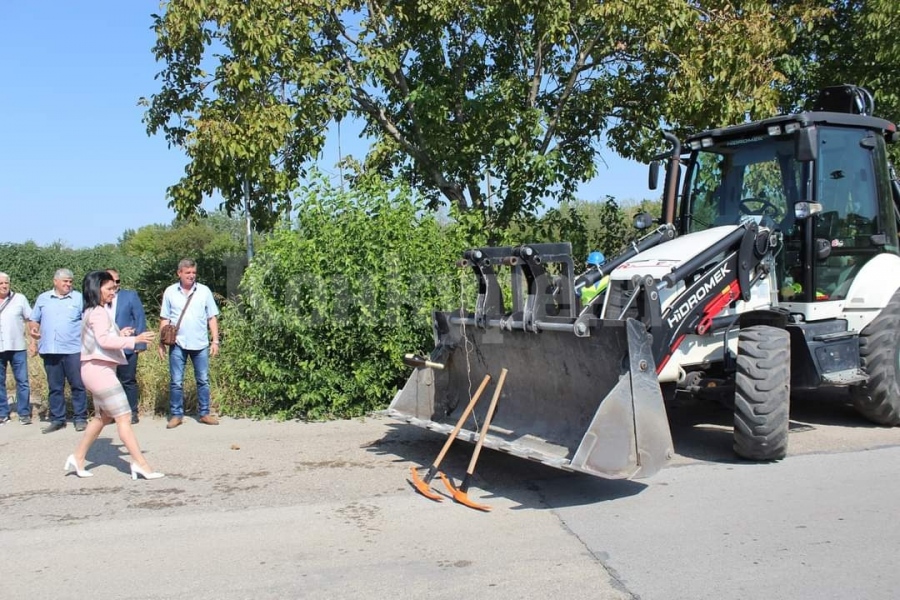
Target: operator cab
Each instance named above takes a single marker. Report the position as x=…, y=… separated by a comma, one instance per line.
x=818, y=178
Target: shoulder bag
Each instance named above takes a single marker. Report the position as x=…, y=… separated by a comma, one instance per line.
x=169, y=333
x=8, y=300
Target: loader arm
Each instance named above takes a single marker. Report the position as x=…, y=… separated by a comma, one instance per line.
x=662, y=234
x=704, y=297
x=737, y=262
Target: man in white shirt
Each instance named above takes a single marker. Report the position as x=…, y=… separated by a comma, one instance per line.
x=14, y=311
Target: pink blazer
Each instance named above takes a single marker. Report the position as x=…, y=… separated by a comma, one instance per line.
x=100, y=339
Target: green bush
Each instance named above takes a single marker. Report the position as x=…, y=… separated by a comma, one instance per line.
x=328, y=308
x=147, y=258
x=31, y=267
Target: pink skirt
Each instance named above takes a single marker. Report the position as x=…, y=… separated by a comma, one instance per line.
x=99, y=377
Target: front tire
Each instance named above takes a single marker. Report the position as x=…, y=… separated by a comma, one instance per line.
x=762, y=393
x=879, y=356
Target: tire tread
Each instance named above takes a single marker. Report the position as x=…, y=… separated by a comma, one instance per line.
x=878, y=400
x=762, y=393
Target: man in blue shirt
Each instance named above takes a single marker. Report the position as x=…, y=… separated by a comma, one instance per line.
x=192, y=341
x=56, y=323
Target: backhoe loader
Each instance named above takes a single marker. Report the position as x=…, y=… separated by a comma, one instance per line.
x=773, y=268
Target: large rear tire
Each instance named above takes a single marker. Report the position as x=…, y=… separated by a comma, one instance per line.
x=762, y=393
x=879, y=353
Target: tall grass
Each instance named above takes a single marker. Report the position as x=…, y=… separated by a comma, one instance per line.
x=153, y=386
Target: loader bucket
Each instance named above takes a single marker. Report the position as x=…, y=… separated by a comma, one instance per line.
x=589, y=403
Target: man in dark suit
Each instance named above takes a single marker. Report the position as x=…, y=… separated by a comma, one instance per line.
x=129, y=316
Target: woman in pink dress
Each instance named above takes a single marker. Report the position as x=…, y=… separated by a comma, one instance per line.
x=102, y=349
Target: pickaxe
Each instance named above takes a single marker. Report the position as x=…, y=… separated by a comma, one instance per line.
x=461, y=494
x=423, y=484
x=414, y=360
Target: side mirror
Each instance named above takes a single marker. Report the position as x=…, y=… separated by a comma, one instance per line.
x=804, y=210
x=643, y=220
x=653, y=178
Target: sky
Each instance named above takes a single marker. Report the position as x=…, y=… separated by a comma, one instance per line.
x=76, y=163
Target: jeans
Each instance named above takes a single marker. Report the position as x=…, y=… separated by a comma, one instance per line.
x=127, y=375
x=59, y=368
x=18, y=360
x=178, y=357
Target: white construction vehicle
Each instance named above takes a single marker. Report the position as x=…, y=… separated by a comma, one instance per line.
x=775, y=268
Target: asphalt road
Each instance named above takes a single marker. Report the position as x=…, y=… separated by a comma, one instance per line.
x=254, y=509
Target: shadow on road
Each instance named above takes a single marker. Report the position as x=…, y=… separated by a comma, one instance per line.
x=827, y=408
x=701, y=430
x=704, y=430
x=501, y=475
x=109, y=451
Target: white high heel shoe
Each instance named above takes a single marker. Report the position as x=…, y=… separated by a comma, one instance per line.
x=136, y=470
x=72, y=465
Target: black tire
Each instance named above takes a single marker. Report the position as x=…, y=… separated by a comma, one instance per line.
x=879, y=356
x=762, y=393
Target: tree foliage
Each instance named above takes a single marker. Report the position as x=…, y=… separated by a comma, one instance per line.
x=146, y=258
x=497, y=105
x=329, y=307
x=855, y=43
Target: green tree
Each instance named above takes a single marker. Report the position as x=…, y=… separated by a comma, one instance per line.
x=856, y=43
x=453, y=94
x=611, y=229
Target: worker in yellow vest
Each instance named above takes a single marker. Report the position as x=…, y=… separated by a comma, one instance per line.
x=594, y=260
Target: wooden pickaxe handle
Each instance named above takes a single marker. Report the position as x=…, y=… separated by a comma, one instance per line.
x=422, y=484
x=432, y=471
x=486, y=425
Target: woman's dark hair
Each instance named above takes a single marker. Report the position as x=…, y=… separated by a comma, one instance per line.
x=90, y=287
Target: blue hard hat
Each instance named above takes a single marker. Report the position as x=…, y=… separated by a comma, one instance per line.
x=596, y=258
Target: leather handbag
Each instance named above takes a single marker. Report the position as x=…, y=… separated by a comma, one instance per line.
x=169, y=333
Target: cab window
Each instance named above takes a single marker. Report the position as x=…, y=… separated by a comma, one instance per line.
x=845, y=187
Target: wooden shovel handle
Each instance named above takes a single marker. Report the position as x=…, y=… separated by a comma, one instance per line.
x=462, y=419
x=487, y=422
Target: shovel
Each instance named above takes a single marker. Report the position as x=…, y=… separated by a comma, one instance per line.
x=423, y=484
x=461, y=495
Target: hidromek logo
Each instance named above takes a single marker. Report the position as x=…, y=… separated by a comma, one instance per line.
x=683, y=309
